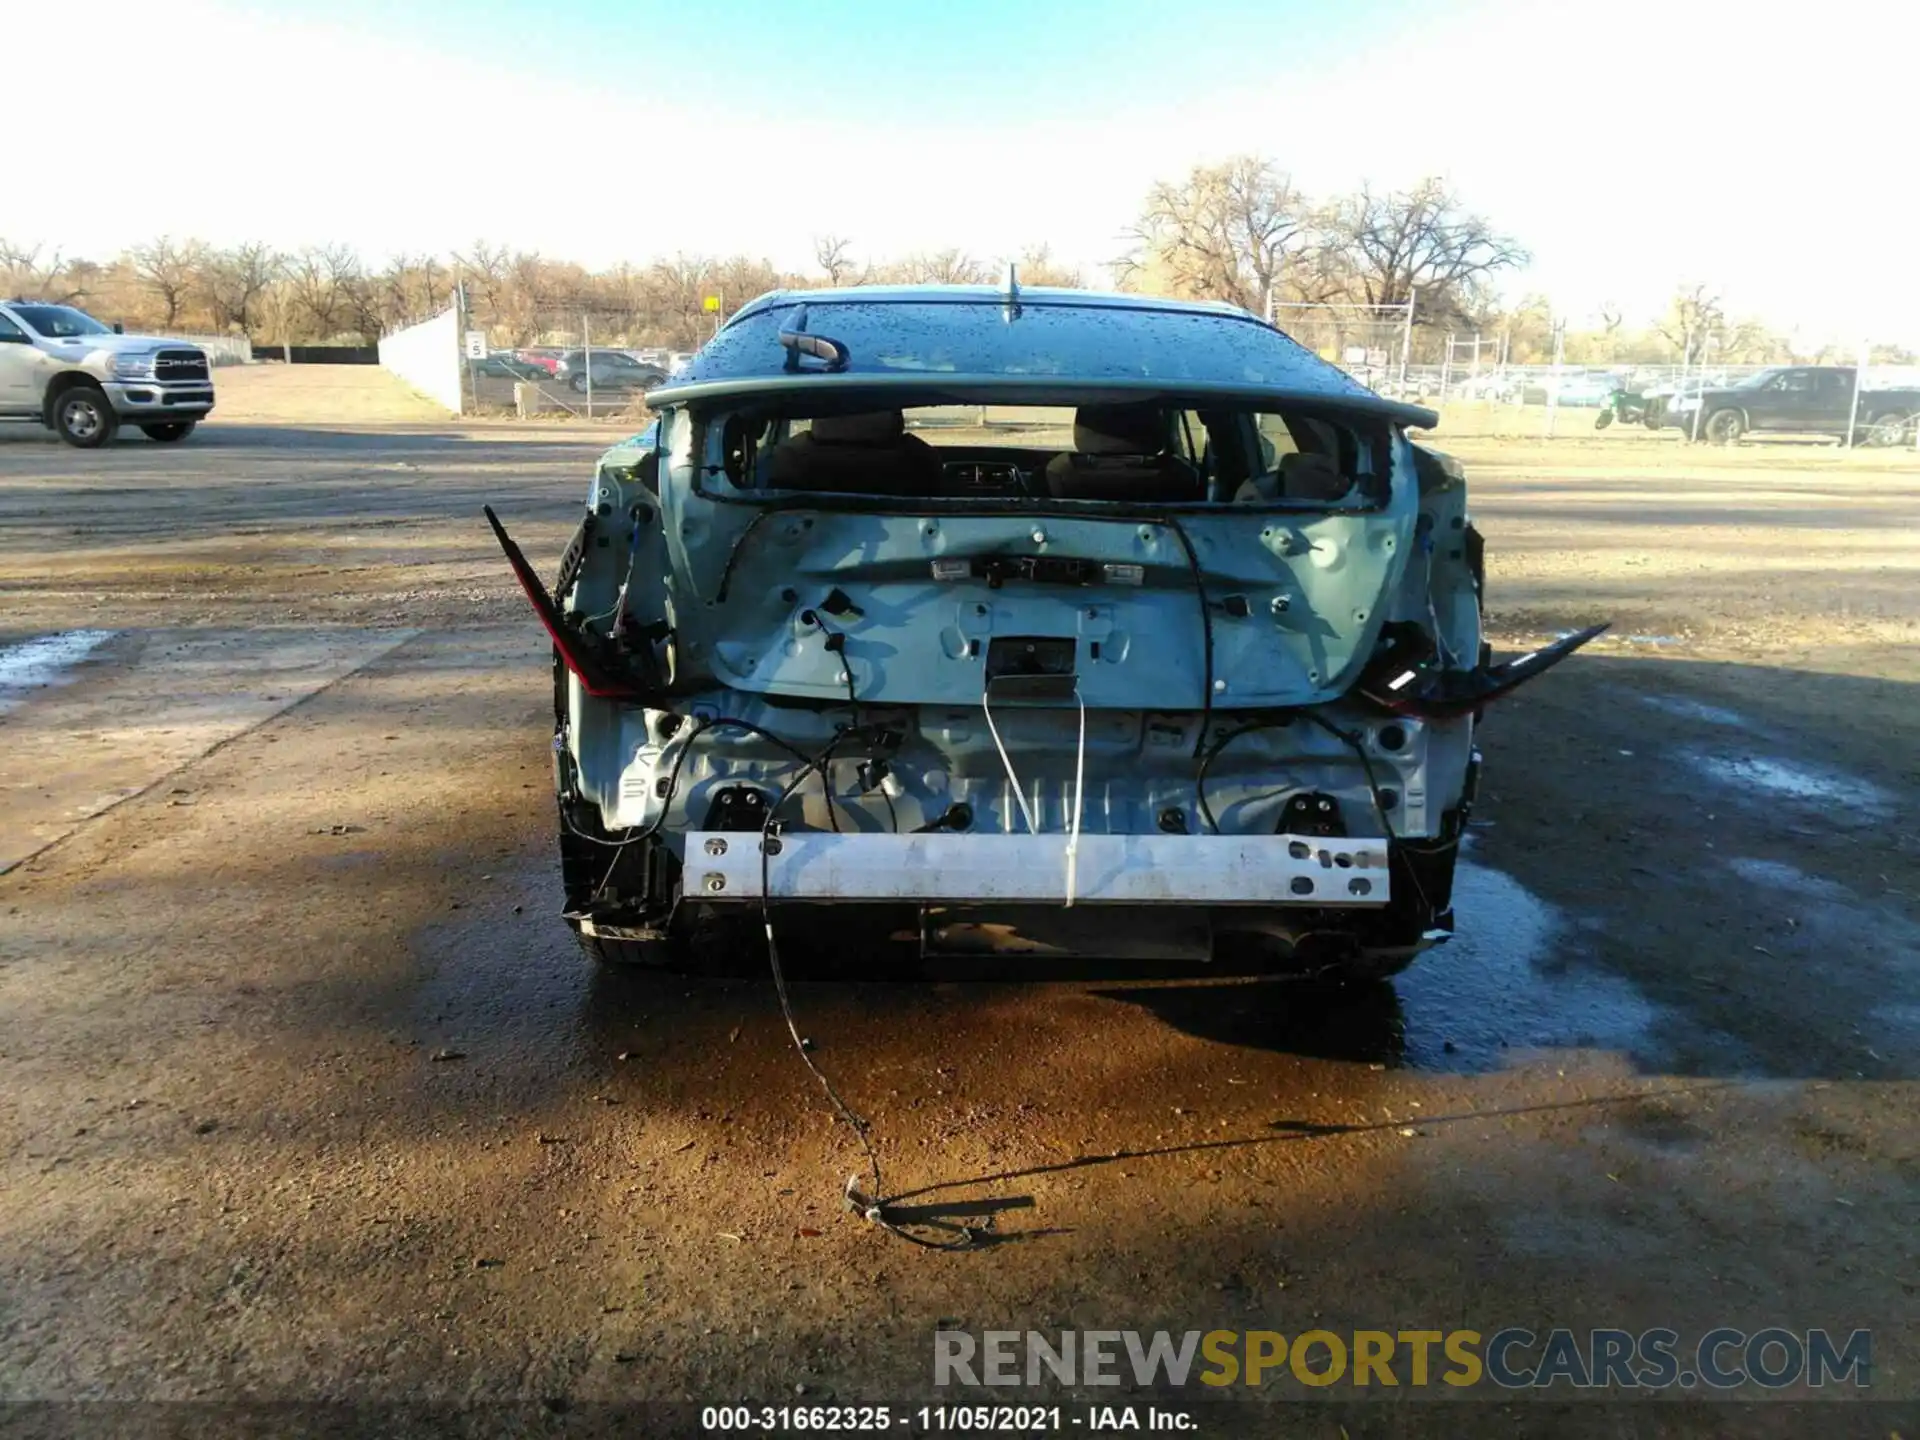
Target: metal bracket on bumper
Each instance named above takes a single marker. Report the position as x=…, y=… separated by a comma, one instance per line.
x=941, y=867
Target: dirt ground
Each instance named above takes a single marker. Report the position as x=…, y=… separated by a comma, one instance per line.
x=306, y=1096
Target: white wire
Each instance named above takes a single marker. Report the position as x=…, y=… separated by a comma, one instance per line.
x=1079, y=790
x=1006, y=760
x=620, y=595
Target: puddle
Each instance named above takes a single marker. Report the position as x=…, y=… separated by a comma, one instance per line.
x=1788, y=780
x=1694, y=710
x=1778, y=875
x=1502, y=985
x=44, y=661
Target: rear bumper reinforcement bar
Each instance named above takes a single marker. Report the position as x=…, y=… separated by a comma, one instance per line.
x=943, y=867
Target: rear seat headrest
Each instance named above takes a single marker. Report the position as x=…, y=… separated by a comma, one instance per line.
x=1311, y=476
x=872, y=427
x=1131, y=429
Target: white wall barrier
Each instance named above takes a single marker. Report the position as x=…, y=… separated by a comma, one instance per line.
x=427, y=357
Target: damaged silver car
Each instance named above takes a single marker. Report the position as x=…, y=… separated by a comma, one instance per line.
x=1033, y=620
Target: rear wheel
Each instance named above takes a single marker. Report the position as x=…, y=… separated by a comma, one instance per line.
x=169, y=432
x=1890, y=428
x=1724, y=427
x=83, y=417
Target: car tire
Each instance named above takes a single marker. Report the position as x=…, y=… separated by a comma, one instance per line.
x=1723, y=427
x=1887, y=429
x=84, y=418
x=578, y=383
x=169, y=431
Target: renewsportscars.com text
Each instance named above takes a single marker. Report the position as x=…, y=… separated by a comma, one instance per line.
x=1511, y=1358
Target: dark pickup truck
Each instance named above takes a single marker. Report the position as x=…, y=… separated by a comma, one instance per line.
x=1800, y=399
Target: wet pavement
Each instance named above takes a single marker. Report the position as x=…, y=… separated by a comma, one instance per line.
x=307, y=1093
x=44, y=660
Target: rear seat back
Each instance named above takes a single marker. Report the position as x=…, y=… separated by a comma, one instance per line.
x=1120, y=453
x=865, y=454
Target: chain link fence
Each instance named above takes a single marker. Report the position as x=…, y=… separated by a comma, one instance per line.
x=584, y=363
x=1372, y=343
x=1499, y=398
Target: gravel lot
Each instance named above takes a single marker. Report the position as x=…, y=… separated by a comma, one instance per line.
x=305, y=1095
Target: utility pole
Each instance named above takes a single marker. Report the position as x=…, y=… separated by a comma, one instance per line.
x=1859, y=375
x=462, y=322
x=1406, y=338
x=1553, y=386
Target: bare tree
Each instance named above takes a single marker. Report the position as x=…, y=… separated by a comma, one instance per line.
x=323, y=279
x=1038, y=267
x=1398, y=242
x=683, y=284
x=27, y=272
x=483, y=270
x=171, y=272
x=1528, y=328
x=952, y=266
x=1226, y=232
x=234, y=280
x=411, y=290
x=1693, y=316
x=832, y=254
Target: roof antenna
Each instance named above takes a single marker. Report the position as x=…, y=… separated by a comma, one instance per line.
x=1012, y=310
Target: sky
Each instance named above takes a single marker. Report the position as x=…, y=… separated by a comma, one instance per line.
x=1633, y=146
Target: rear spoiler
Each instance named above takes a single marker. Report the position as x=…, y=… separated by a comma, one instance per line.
x=579, y=651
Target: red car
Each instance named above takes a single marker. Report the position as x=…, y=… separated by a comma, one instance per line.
x=547, y=360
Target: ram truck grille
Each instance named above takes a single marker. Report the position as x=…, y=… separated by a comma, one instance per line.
x=180, y=365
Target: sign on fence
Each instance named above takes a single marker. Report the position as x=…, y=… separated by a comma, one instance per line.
x=476, y=344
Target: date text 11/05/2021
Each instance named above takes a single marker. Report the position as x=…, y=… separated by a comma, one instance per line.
x=933, y=1419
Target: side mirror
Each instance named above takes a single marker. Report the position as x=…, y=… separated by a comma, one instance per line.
x=118, y=328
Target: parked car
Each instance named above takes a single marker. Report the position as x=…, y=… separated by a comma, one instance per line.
x=1583, y=387
x=612, y=370
x=83, y=380
x=1804, y=399
x=1207, y=678
x=506, y=365
x=1493, y=385
x=1658, y=398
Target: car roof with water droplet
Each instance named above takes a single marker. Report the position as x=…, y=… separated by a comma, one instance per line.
x=932, y=344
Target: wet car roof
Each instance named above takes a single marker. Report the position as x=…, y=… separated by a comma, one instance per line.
x=1042, y=345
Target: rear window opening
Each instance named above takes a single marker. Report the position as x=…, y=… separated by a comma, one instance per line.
x=1120, y=452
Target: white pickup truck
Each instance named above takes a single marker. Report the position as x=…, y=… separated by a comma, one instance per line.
x=82, y=379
